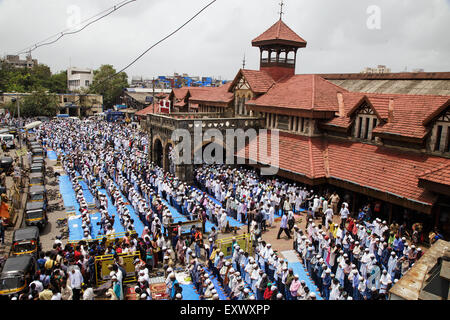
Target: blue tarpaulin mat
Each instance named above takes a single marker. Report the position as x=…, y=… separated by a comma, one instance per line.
x=51, y=155
x=75, y=231
x=112, y=211
x=232, y=222
x=189, y=292
x=95, y=229
x=86, y=192
x=299, y=269
x=138, y=224
x=217, y=286
x=177, y=217
x=68, y=194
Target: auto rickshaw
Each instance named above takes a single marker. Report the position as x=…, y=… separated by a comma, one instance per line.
x=37, y=193
x=37, y=167
x=16, y=274
x=6, y=165
x=35, y=145
x=36, y=179
x=26, y=241
x=13, y=130
x=36, y=214
x=38, y=151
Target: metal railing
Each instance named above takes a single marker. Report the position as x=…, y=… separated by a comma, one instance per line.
x=172, y=123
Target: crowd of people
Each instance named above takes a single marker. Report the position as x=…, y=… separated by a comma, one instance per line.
x=355, y=258
x=138, y=198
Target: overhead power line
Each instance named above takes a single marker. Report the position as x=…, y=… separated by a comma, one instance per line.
x=65, y=32
x=154, y=45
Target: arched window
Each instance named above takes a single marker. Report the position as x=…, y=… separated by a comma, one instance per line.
x=265, y=56
x=290, y=58
x=282, y=57
x=365, y=121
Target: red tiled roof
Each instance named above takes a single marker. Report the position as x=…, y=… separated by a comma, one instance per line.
x=369, y=166
x=148, y=110
x=410, y=111
x=382, y=169
x=277, y=33
x=440, y=175
x=259, y=81
x=180, y=104
x=305, y=92
x=301, y=155
x=180, y=93
x=219, y=95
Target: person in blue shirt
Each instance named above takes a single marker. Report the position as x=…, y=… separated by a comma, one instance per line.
x=326, y=283
x=361, y=215
x=399, y=248
x=385, y=255
x=91, y=266
x=284, y=227
x=355, y=284
x=41, y=261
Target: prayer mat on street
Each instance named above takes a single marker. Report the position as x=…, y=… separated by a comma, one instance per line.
x=51, y=155
x=68, y=194
x=112, y=211
x=158, y=291
x=217, y=285
x=86, y=192
x=138, y=225
x=75, y=230
x=231, y=221
x=298, y=268
x=189, y=293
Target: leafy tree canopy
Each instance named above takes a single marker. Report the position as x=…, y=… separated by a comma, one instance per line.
x=108, y=86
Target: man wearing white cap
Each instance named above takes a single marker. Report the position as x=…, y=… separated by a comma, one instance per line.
x=384, y=281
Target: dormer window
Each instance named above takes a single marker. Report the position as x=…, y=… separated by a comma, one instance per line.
x=365, y=121
x=440, y=137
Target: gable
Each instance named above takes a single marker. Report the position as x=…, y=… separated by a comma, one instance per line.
x=242, y=84
x=445, y=116
x=364, y=107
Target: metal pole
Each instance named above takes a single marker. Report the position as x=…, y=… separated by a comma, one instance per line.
x=153, y=85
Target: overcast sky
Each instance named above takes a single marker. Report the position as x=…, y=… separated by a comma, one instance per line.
x=412, y=34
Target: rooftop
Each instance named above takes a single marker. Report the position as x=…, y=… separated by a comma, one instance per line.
x=279, y=33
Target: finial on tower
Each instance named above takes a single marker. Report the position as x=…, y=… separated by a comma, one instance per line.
x=281, y=9
x=243, y=62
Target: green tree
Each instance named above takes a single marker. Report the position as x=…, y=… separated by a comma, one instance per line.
x=39, y=103
x=39, y=77
x=108, y=86
x=58, y=82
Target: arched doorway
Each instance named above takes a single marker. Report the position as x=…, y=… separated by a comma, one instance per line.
x=158, y=153
x=169, y=159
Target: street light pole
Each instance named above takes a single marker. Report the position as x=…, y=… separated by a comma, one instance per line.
x=20, y=132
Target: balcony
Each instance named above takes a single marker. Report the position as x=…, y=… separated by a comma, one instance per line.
x=282, y=62
x=191, y=121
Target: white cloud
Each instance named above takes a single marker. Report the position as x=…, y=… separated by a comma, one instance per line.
x=413, y=33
